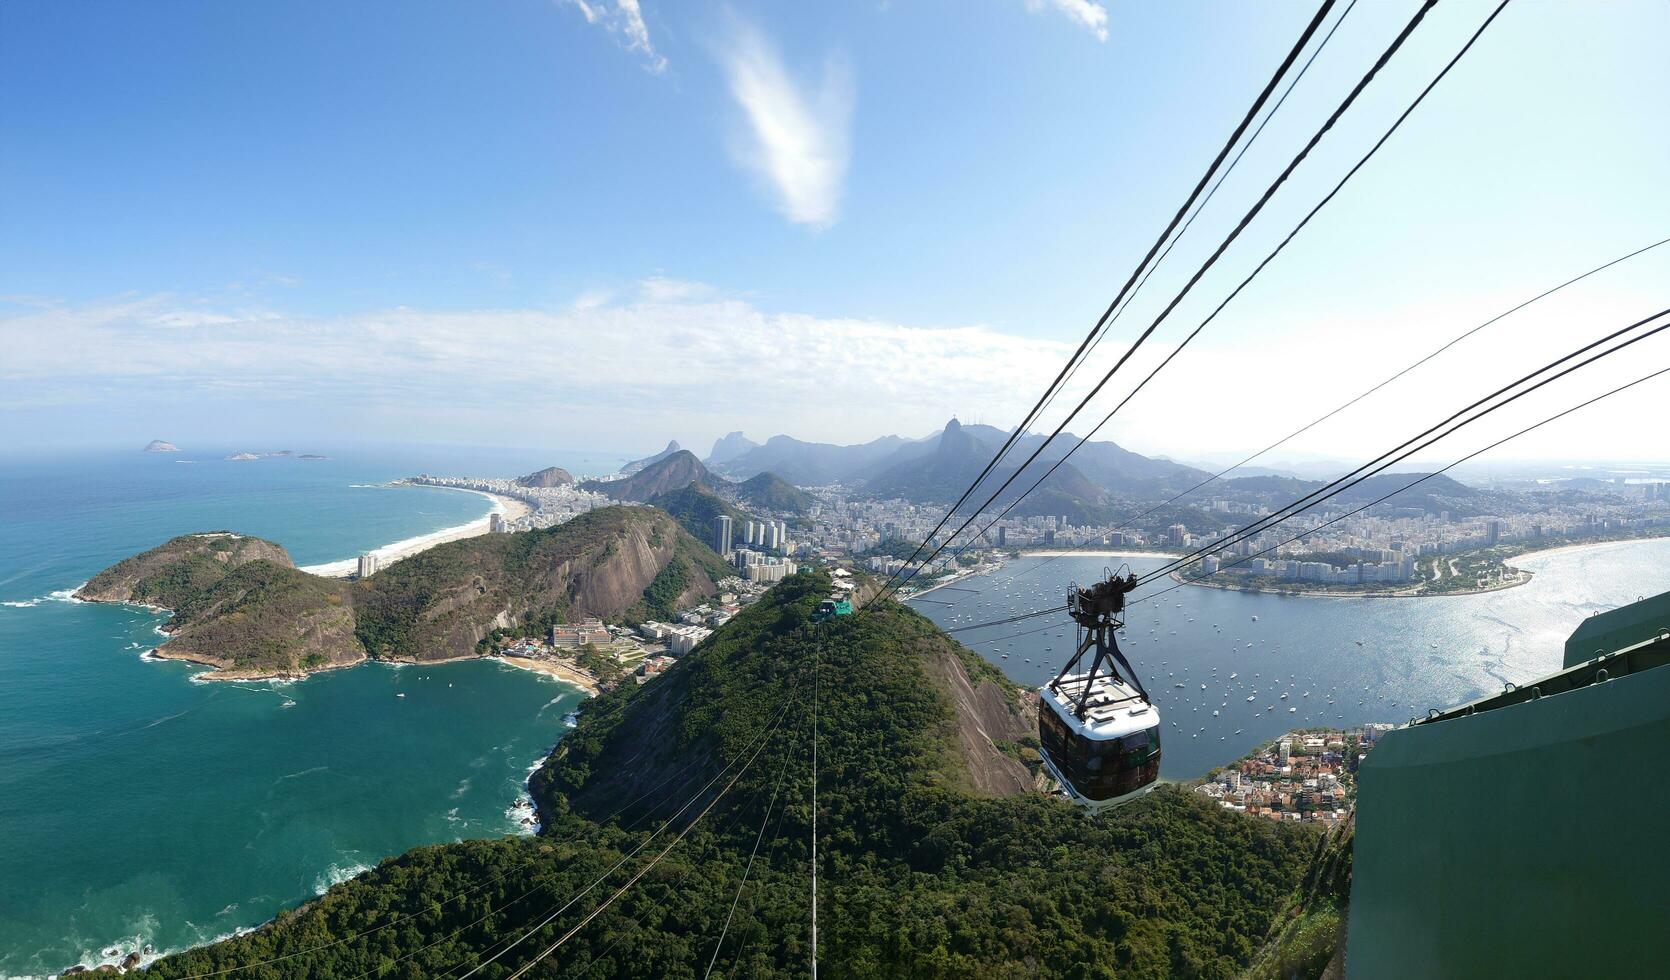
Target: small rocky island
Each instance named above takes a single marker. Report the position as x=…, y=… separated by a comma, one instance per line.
x=240, y=604
x=161, y=446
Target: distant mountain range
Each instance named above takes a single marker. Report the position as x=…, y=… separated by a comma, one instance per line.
x=638, y=464
x=679, y=484
x=1100, y=481
x=935, y=470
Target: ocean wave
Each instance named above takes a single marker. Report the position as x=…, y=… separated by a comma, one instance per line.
x=336, y=874
x=62, y=595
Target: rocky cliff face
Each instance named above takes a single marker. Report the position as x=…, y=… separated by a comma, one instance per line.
x=990, y=717
x=180, y=570
x=444, y=602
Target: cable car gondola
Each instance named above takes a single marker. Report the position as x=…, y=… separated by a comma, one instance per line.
x=1098, y=730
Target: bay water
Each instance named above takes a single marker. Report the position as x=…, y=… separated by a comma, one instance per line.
x=1303, y=661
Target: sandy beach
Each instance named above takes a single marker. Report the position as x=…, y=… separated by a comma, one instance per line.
x=388, y=554
x=562, y=672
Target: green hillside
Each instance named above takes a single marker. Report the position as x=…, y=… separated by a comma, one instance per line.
x=695, y=506
x=607, y=563
x=768, y=491
x=919, y=876
x=241, y=606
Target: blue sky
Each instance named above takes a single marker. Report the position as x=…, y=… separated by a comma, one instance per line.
x=606, y=224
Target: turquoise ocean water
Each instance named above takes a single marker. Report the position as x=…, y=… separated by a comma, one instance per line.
x=139, y=808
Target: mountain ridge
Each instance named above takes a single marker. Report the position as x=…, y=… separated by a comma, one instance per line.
x=929, y=867
x=240, y=605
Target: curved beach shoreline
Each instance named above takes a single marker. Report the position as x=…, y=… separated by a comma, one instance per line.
x=388, y=554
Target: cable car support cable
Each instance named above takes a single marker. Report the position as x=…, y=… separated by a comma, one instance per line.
x=1412, y=484
x=1237, y=291
x=1354, y=400
x=1071, y=366
x=1223, y=246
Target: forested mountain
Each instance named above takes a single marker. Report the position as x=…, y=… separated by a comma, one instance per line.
x=239, y=605
x=606, y=563
x=660, y=482
x=695, y=506
x=673, y=471
x=956, y=457
x=770, y=492
x=638, y=464
x=935, y=859
x=550, y=476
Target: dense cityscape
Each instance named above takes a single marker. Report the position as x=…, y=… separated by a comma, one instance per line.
x=1391, y=547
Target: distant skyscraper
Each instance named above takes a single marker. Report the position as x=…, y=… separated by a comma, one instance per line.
x=496, y=524
x=367, y=566
x=722, y=534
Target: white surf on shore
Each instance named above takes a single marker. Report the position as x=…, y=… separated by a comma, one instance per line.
x=391, y=553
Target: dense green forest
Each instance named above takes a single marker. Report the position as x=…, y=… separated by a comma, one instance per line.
x=695, y=506
x=918, y=877
x=771, y=492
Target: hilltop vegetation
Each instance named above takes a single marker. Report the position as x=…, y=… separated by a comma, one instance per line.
x=923, y=873
x=179, y=571
x=768, y=491
x=550, y=476
x=695, y=507
x=240, y=604
x=443, y=602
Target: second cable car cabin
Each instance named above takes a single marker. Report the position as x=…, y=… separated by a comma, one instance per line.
x=1099, y=733
x=830, y=608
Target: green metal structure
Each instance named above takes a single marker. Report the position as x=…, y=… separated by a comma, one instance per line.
x=1619, y=628
x=1525, y=834
x=831, y=607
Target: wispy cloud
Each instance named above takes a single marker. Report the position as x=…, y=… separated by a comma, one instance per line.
x=797, y=137
x=624, y=19
x=1093, y=17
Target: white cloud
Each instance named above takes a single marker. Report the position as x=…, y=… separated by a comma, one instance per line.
x=1093, y=17
x=678, y=359
x=797, y=139
x=625, y=20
